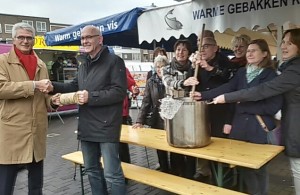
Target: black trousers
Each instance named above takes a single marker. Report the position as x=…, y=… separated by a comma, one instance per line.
x=8, y=175
x=181, y=165
x=163, y=160
x=124, y=148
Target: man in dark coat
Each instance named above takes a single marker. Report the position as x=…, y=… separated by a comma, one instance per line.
x=57, y=68
x=101, y=88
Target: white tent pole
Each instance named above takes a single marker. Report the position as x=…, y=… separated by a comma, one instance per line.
x=279, y=35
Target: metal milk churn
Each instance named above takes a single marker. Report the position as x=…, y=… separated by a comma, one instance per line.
x=190, y=126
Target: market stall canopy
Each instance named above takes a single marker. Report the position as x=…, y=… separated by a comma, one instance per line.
x=118, y=29
x=39, y=43
x=183, y=20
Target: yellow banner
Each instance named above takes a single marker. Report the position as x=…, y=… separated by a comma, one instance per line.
x=39, y=43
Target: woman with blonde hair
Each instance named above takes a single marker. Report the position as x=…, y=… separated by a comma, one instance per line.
x=239, y=45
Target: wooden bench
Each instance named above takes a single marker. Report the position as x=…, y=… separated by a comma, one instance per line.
x=168, y=182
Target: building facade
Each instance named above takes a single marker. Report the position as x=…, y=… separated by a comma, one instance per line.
x=41, y=25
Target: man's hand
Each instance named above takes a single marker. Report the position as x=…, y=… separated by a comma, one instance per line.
x=83, y=97
x=203, y=64
x=135, y=91
x=196, y=95
x=44, y=85
x=56, y=99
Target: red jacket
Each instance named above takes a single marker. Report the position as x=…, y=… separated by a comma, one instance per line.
x=130, y=83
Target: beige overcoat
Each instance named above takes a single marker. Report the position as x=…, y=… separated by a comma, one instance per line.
x=23, y=112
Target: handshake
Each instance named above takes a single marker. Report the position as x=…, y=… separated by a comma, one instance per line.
x=44, y=86
x=79, y=97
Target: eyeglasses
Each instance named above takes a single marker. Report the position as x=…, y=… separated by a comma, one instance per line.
x=206, y=46
x=22, y=38
x=89, y=37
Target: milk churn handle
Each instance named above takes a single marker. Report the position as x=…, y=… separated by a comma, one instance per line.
x=208, y=102
x=199, y=49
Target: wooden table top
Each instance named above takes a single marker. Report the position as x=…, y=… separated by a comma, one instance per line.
x=228, y=151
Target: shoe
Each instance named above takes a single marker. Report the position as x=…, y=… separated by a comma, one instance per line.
x=157, y=166
x=202, y=178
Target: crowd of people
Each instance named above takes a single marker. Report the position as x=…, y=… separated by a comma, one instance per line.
x=240, y=88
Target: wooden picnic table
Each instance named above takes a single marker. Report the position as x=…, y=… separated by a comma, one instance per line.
x=220, y=150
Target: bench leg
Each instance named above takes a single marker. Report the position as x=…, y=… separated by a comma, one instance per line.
x=60, y=118
x=75, y=167
x=74, y=177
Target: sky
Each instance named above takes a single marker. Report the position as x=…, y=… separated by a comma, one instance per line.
x=74, y=11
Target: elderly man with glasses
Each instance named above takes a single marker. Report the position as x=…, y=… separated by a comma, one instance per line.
x=215, y=70
x=23, y=111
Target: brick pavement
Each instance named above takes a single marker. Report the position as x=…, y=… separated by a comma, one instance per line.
x=58, y=173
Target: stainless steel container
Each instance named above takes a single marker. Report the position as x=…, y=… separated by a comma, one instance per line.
x=190, y=126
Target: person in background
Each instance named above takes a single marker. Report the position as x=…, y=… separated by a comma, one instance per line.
x=74, y=62
x=245, y=125
x=23, y=110
x=287, y=84
x=174, y=75
x=154, y=91
x=239, y=45
x=157, y=51
x=57, y=68
x=101, y=88
x=133, y=88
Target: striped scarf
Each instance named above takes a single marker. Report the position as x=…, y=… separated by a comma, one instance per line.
x=252, y=72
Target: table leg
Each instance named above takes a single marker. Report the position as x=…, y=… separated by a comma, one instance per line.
x=218, y=173
x=81, y=179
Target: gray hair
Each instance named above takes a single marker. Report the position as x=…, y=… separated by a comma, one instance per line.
x=161, y=59
x=24, y=26
x=94, y=28
x=240, y=39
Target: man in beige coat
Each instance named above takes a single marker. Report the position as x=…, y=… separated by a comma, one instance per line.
x=23, y=112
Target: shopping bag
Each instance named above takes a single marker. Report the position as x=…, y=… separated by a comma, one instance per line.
x=274, y=136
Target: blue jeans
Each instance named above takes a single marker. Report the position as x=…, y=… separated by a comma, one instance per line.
x=114, y=178
x=295, y=166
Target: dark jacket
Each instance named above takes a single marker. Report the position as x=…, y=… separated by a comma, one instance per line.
x=245, y=125
x=221, y=114
x=218, y=76
x=288, y=84
x=104, y=77
x=154, y=91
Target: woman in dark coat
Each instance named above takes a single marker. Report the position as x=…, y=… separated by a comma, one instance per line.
x=154, y=91
x=288, y=84
x=245, y=126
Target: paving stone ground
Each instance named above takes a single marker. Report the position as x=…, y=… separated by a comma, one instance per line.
x=58, y=173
